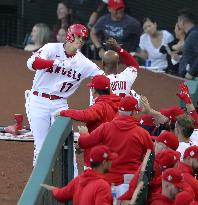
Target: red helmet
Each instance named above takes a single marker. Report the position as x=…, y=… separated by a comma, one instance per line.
x=77, y=29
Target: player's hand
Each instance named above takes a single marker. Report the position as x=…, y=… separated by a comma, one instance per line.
x=48, y=187
x=145, y=104
x=112, y=44
x=83, y=130
x=184, y=94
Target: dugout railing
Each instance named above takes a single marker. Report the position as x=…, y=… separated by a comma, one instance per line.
x=140, y=194
x=54, y=165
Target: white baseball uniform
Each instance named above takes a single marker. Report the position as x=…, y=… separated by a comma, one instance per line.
x=121, y=83
x=61, y=81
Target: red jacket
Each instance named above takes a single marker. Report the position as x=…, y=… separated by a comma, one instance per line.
x=104, y=110
x=89, y=188
x=189, y=177
x=126, y=138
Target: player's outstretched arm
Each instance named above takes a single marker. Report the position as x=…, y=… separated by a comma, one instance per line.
x=128, y=59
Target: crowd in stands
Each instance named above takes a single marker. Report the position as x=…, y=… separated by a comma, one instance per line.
x=115, y=140
x=154, y=48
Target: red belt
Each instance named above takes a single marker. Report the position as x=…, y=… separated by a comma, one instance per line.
x=45, y=95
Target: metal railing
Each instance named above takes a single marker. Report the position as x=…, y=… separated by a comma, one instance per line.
x=54, y=165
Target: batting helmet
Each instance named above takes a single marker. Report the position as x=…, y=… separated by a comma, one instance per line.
x=78, y=30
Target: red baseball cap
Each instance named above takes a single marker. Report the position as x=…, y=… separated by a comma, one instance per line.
x=147, y=120
x=172, y=112
x=168, y=138
x=167, y=158
x=100, y=153
x=175, y=177
x=116, y=4
x=129, y=103
x=191, y=152
x=184, y=198
x=100, y=82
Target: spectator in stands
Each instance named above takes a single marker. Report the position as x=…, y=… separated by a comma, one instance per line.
x=172, y=183
x=89, y=188
x=151, y=42
x=60, y=37
x=188, y=66
x=174, y=50
x=118, y=25
x=166, y=140
x=64, y=17
x=124, y=136
x=189, y=167
x=184, y=127
x=40, y=36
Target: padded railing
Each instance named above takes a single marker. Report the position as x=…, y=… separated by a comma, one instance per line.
x=54, y=165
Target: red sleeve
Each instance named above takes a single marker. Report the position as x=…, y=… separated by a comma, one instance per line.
x=40, y=64
x=129, y=60
x=86, y=141
x=92, y=113
x=194, y=115
x=65, y=193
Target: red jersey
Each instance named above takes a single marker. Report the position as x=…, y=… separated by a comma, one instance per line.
x=89, y=188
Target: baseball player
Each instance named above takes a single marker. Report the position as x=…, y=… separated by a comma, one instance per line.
x=60, y=68
x=121, y=83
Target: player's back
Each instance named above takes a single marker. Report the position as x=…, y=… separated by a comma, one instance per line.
x=121, y=83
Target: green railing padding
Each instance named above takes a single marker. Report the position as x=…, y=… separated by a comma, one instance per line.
x=57, y=136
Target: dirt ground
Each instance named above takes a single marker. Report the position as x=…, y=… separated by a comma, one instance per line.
x=16, y=157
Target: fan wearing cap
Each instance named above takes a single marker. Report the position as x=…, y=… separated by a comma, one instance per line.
x=172, y=183
x=189, y=166
x=125, y=137
x=104, y=109
x=166, y=140
x=89, y=188
x=184, y=127
x=116, y=24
